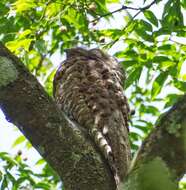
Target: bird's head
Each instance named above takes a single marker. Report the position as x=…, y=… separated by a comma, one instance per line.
x=76, y=52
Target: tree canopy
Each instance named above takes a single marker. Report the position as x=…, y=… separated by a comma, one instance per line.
x=147, y=37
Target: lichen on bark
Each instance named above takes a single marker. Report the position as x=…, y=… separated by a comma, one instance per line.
x=8, y=72
x=153, y=174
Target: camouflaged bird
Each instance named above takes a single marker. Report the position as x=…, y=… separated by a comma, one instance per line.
x=88, y=88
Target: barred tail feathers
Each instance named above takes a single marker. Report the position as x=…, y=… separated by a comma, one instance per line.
x=106, y=150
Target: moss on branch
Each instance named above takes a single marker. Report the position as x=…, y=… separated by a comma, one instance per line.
x=8, y=72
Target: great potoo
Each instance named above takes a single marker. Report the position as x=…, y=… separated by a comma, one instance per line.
x=88, y=88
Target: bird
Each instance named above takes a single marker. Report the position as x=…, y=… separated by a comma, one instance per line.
x=88, y=87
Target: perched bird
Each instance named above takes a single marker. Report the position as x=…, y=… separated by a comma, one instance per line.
x=88, y=87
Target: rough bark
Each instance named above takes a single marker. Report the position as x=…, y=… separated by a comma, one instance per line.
x=163, y=152
x=58, y=140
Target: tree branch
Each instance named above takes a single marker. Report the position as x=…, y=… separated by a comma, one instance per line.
x=125, y=8
x=67, y=149
x=130, y=21
x=164, y=148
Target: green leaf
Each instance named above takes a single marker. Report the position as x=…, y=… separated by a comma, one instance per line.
x=127, y=53
x=28, y=145
x=183, y=3
x=148, y=109
x=10, y=177
x=19, y=140
x=145, y=26
x=161, y=31
x=171, y=99
x=172, y=16
x=4, y=9
x=159, y=59
x=129, y=63
x=42, y=185
x=167, y=47
x=101, y=6
x=180, y=85
x=135, y=136
x=25, y=33
x=142, y=28
x=41, y=46
x=17, y=46
x=112, y=1
x=134, y=147
x=23, y=5
x=3, y=154
x=167, y=64
x=144, y=129
x=21, y=180
x=112, y=33
x=133, y=77
x=40, y=162
x=52, y=9
x=158, y=84
x=151, y=17
x=4, y=183
x=6, y=157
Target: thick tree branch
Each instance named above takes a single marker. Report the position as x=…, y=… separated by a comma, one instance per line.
x=163, y=152
x=67, y=149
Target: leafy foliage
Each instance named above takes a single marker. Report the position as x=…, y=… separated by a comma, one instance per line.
x=16, y=174
x=147, y=43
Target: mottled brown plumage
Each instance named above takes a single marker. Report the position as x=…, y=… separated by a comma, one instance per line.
x=88, y=87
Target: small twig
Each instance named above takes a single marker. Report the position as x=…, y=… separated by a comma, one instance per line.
x=148, y=6
x=128, y=24
x=42, y=58
x=37, y=36
x=44, y=11
x=115, y=11
x=113, y=42
x=124, y=8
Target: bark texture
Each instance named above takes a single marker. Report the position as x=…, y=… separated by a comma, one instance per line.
x=26, y=104
x=161, y=160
